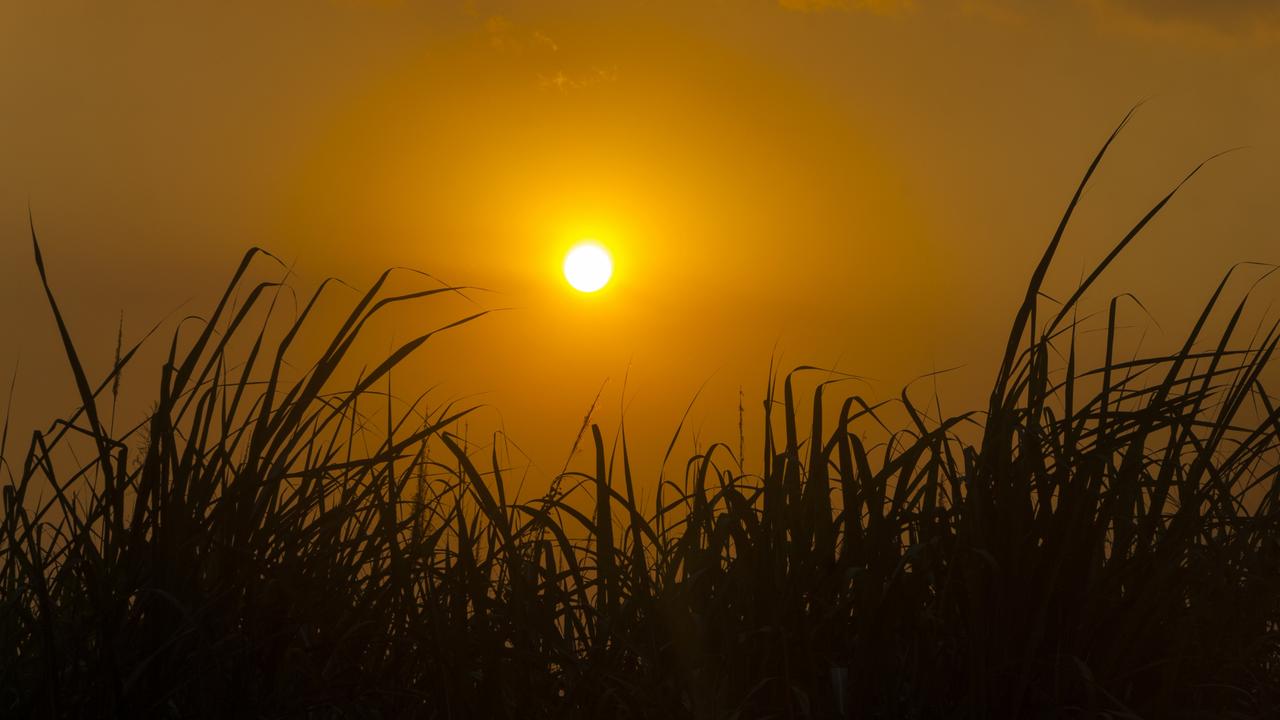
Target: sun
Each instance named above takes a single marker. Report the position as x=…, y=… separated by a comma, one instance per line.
x=588, y=266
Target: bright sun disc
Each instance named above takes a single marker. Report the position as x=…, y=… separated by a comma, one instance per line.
x=588, y=267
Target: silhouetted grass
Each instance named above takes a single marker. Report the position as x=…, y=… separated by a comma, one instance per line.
x=1107, y=546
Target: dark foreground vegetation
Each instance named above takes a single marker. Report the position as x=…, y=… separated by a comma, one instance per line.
x=1100, y=542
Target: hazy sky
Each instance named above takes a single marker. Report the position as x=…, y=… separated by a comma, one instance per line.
x=862, y=184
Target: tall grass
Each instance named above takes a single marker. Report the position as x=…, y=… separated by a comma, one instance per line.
x=1100, y=542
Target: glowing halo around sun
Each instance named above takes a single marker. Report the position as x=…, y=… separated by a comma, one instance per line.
x=588, y=266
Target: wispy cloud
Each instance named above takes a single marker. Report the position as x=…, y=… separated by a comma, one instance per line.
x=564, y=82
x=1257, y=20
x=1211, y=20
x=879, y=7
x=535, y=52
x=506, y=36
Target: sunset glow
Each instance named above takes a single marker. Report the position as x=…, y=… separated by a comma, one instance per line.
x=675, y=359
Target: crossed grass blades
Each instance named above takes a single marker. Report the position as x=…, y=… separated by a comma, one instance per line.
x=1107, y=546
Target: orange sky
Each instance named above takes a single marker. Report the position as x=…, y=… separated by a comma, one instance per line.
x=862, y=184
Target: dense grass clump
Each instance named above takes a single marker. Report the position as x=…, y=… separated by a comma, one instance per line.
x=1100, y=542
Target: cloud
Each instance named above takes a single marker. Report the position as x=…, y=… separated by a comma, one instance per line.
x=878, y=7
x=536, y=56
x=1005, y=12
x=997, y=10
x=535, y=48
x=506, y=36
x=1207, y=19
x=1196, y=20
x=565, y=82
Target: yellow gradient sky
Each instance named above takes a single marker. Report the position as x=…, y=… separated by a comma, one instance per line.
x=859, y=184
